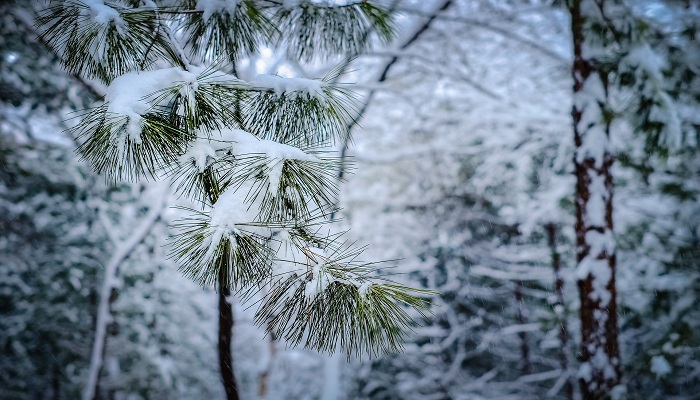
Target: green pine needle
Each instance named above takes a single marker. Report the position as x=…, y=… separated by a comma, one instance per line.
x=108, y=147
x=227, y=36
x=318, y=31
x=297, y=119
x=243, y=255
x=340, y=317
x=305, y=187
x=94, y=50
x=354, y=312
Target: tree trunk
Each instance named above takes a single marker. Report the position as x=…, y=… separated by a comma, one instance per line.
x=225, y=335
x=264, y=378
x=121, y=253
x=56, y=383
x=212, y=189
x=595, y=243
x=559, y=309
x=525, y=365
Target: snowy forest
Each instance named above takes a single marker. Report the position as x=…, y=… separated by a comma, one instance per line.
x=345, y=199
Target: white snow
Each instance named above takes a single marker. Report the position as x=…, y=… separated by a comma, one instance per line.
x=585, y=371
x=300, y=86
x=201, y=152
x=650, y=66
x=289, y=4
x=275, y=174
x=595, y=141
x=595, y=207
x=362, y=290
x=241, y=143
x=660, y=366
x=210, y=7
x=600, y=242
x=204, y=151
x=600, y=271
x=128, y=94
x=643, y=57
x=104, y=15
x=233, y=208
x=665, y=112
x=320, y=279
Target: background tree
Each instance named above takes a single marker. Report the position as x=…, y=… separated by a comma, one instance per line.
x=51, y=245
x=509, y=148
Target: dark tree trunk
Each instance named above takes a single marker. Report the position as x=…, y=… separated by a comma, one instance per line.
x=525, y=365
x=559, y=308
x=56, y=383
x=595, y=248
x=225, y=335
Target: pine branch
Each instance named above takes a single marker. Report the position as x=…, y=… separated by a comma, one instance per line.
x=327, y=301
x=115, y=147
x=208, y=253
x=313, y=114
x=92, y=87
x=186, y=120
x=351, y=26
x=103, y=41
x=226, y=34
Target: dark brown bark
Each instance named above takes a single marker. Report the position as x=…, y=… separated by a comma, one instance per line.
x=559, y=309
x=598, y=313
x=225, y=336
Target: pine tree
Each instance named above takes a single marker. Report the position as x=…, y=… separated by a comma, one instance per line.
x=50, y=242
x=614, y=53
x=250, y=154
x=595, y=246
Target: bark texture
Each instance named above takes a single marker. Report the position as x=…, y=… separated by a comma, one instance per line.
x=225, y=336
x=595, y=247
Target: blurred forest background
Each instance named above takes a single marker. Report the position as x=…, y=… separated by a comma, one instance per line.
x=464, y=175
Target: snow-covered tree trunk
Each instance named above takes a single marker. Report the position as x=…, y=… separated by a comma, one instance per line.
x=104, y=317
x=595, y=243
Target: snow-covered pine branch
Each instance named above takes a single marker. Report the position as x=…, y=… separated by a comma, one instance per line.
x=249, y=151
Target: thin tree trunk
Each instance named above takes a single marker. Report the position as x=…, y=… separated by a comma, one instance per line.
x=525, y=365
x=56, y=383
x=559, y=309
x=595, y=243
x=264, y=379
x=225, y=337
x=104, y=317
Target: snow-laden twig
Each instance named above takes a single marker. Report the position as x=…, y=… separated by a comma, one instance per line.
x=411, y=38
x=121, y=253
